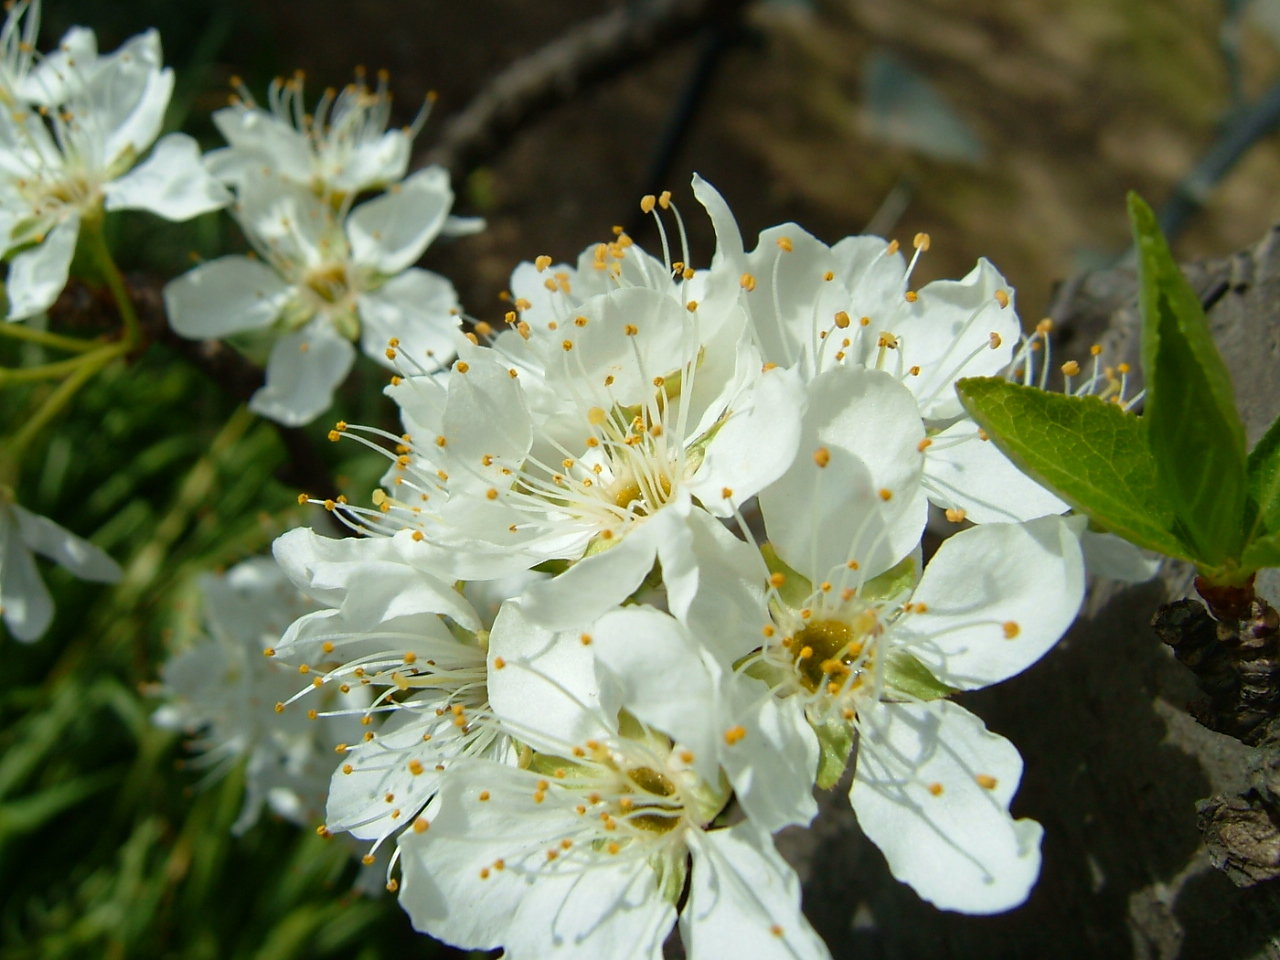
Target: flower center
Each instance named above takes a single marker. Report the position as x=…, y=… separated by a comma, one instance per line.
x=834, y=651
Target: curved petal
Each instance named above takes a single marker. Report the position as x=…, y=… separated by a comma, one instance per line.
x=172, y=184
x=302, y=372
x=592, y=907
x=996, y=597
x=25, y=604
x=755, y=445
x=416, y=307
x=225, y=296
x=947, y=332
x=257, y=136
x=37, y=276
x=962, y=470
x=390, y=232
x=932, y=789
x=546, y=689
x=744, y=900
x=64, y=548
x=852, y=493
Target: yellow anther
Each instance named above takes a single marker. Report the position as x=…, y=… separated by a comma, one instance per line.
x=734, y=734
x=886, y=494
x=911, y=296
x=421, y=825
x=842, y=320
x=785, y=244
x=1010, y=629
x=1002, y=298
x=955, y=514
x=986, y=781
x=416, y=767
x=1071, y=368
x=462, y=366
x=647, y=203
x=936, y=789
x=541, y=263
x=921, y=241
x=822, y=456
x=747, y=282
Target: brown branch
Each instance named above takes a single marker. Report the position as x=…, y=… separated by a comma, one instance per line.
x=550, y=76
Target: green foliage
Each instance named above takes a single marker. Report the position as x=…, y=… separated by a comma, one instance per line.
x=1089, y=452
x=1193, y=429
x=1177, y=479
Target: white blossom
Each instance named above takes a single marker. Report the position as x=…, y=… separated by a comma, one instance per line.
x=71, y=127
x=223, y=692
x=25, y=604
x=322, y=279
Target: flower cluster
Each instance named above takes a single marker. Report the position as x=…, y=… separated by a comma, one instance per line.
x=330, y=266
x=647, y=567
x=72, y=125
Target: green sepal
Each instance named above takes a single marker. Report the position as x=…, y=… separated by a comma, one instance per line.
x=796, y=588
x=901, y=578
x=1193, y=429
x=906, y=675
x=1089, y=452
x=835, y=743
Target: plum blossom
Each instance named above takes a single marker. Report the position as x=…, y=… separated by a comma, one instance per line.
x=645, y=421
x=320, y=281
x=870, y=659
x=222, y=692
x=72, y=127
x=584, y=849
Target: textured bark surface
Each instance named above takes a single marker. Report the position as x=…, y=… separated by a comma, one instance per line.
x=1115, y=764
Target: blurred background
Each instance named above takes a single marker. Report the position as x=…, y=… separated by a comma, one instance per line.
x=1010, y=130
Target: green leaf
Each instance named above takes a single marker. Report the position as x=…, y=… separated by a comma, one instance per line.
x=1193, y=429
x=835, y=740
x=1264, y=480
x=1261, y=552
x=1089, y=452
x=906, y=675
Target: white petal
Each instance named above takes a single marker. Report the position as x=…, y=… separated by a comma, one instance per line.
x=65, y=549
x=172, y=184
x=371, y=579
x=587, y=906
x=25, y=604
x=653, y=669
x=729, y=248
x=547, y=684
x=865, y=504
x=416, y=307
x=962, y=470
x=932, y=789
x=225, y=296
x=129, y=93
x=744, y=900
x=755, y=445
x=374, y=769
x=257, y=137
x=996, y=598
x=1106, y=555
x=601, y=581
x=302, y=372
x=37, y=276
x=774, y=764
x=390, y=232
x=947, y=332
